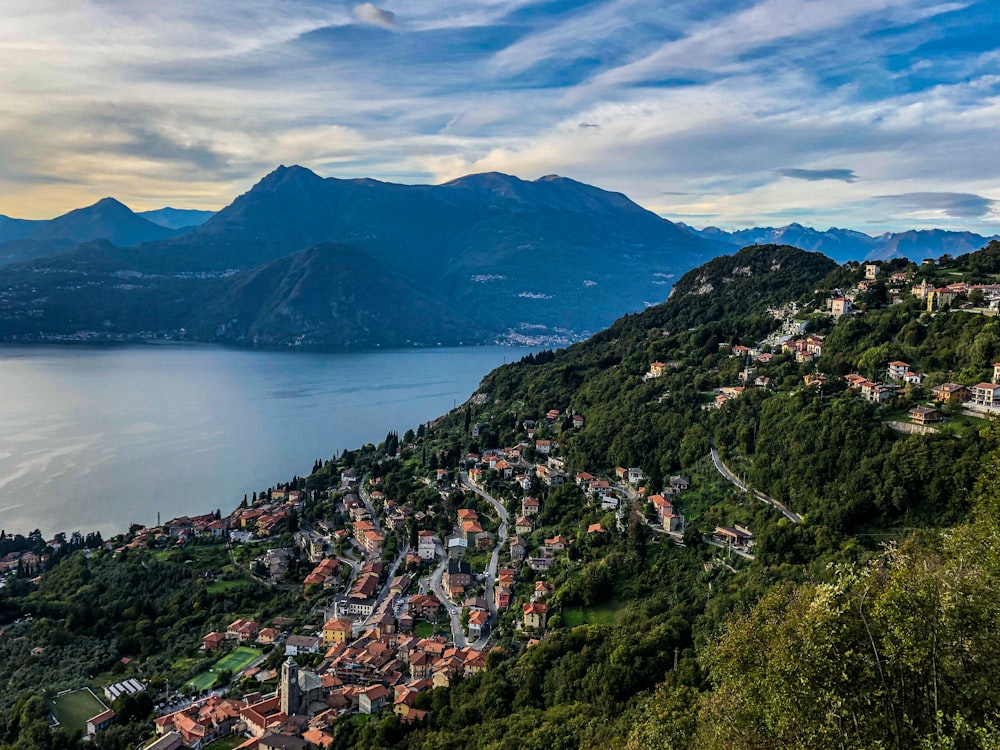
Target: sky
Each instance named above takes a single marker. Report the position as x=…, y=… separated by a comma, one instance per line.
x=877, y=115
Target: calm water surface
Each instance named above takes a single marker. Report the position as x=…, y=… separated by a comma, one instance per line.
x=98, y=438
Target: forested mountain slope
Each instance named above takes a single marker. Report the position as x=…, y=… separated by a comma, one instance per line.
x=869, y=619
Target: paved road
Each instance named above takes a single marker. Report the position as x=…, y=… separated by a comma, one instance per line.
x=367, y=502
x=454, y=612
x=384, y=591
x=491, y=569
x=793, y=517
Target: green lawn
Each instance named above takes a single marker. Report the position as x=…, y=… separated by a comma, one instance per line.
x=73, y=709
x=238, y=660
x=221, y=587
x=234, y=662
x=423, y=630
x=203, y=681
x=227, y=743
x=609, y=613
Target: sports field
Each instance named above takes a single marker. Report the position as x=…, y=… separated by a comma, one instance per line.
x=234, y=662
x=73, y=709
x=238, y=660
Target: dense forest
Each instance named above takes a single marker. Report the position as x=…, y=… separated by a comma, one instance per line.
x=871, y=624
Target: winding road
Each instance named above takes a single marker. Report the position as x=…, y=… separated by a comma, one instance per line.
x=491, y=569
x=724, y=470
x=454, y=612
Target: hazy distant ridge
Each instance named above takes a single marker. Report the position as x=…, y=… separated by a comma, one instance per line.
x=847, y=244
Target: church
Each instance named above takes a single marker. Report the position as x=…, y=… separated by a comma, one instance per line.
x=301, y=692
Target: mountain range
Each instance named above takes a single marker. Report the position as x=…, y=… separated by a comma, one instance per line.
x=844, y=245
x=300, y=260
x=305, y=261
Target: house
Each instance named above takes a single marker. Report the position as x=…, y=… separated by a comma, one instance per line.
x=372, y=541
x=471, y=531
x=555, y=544
x=996, y=372
x=664, y=509
x=267, y=635
x=656, y=370
x=518, y=549
x=523, y=526
x=502, y=596
x=477, y=623
x=985, y=394
x=854, y=380
x=372, y=699
x=925, y=415
x=457, y=547
x=530, y=507
x=457, y=575
x=678, y=484
x=301, y=644
x=871, y=271
x=634, y=475
x=913, y=378
x=542, y=590
x=896, y=370
x=938, y=298
x=242, y=630
x=337, y=630
x=602, y=487
x=840, y=306
x=733, y=537
x=427, y=544
x=543, y=446
x=950, y=393
x=539, y=564
x=425, y=606
x=99, y=722
x=875, y=392
x=577, y=421
x=534, y=615
x=212, y=641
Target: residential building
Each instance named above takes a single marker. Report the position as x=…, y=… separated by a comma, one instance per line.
x=534, y=615
x=950, y=393
x=986, y=394
x=896, y=370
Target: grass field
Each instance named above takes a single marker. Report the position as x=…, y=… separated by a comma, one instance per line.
x=423, y=630
x=227, y=743
x=73, y=709
x=234, y=662
x=609, y=613
x=238, y=660
x=219, y=587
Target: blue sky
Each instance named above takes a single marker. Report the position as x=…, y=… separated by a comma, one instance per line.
x=871, y=114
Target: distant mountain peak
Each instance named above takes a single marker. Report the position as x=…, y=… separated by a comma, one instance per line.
x=110, y=202
x=282, y=178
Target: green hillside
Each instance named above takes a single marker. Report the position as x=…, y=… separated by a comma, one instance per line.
x=856, y=608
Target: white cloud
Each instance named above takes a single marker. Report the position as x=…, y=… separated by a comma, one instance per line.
x=368, y=13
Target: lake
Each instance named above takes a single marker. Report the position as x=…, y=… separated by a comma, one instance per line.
x=98, y=438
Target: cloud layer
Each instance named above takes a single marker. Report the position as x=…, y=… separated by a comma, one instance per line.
x=878, y=114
